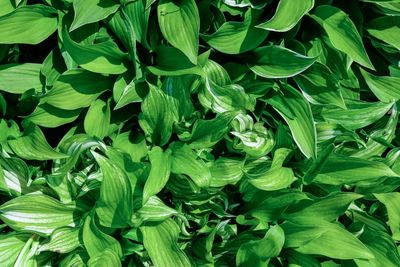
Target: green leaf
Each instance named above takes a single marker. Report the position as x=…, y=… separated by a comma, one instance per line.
x=342, y=33
x=320, y=86
x=114, y=206
x=278, y=62
x=30, y=24
x=32, y=145
x=391, y=200
x=133, y=92
x=105, y=259
x=314, y=236
x=159, y=112
x=277, y=177
x=226, y=171
x=77, y=88
x=386, y=29
x=89, y=11
x=180, y=24
x=161, y=242
x=46, y=115
x=46, y=215
x=172, y=62
x=230, y=97
x=10, y=246
x=386, y=88
x=327, y=208
x=104, y=57
x=301, y=124
x=358, y=114
x=96, y=242
x=135, y=146
x=282, y=21
x=154, y=210
x=19, y=78
x=206, y=133
x=237, y=37
x=258, y=252
x=339, y=170
x=97, y=120
x=159, y=172
x=62, y=240
x=185, y=161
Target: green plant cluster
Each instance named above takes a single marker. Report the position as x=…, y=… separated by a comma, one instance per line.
x=177, y=133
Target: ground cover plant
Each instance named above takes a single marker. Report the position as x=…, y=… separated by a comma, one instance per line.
x=199, y=133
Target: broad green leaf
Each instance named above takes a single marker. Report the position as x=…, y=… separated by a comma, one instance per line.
x=339, y=170
x=179, y=87
x=19, y=78
x=226, y=171
x=278, y=62
x=88, y=11
x=259, y=252
x=154, y=210
x=42, y=217
x=97, y=119
x=159, y=172
x=105, y=259
x=328, y=208
x=180, y=24
x=46, y=115
x=159, y=112
x=133, y=92
x=161, y=242
x=32, y=145
x=237, y=37
x=342, y=33
x=185, y=161
x=382, y=247
x=62, y=240
x=14, y=177
x=391, y=200
x=315, y=236
x=172, y=62
x=301, y=124
x=287, y=15
x=386, y=29
x=230, y=97
x=6, y=6
x=358, y=114
x=320, y=86
x=114, y=206
x=138, y=14
x=29, y=24
x=206, y=133
x=77, y=88
x=10, y=247
x=386, y=88
x=96, y=242
x=277, y=177
x=135, y=146
x=103, y=57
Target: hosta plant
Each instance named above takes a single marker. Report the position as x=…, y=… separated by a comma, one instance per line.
x=177, y=133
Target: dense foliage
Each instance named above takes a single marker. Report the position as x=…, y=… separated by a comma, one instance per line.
x=199, y=133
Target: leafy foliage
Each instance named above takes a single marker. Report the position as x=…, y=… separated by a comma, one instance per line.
x=199, y=133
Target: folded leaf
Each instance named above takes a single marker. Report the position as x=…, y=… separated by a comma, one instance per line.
x=161, y=242
x=342, y=33
x=10, y=247
x=159, y=172
x=114, y=206
x=386, y=29
x=287, y=15
x=180, y=24
x=97, y=120
x=46, y=115
x=33, y=145
x=77, y=88
x=88, y=11
x=386, y=88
